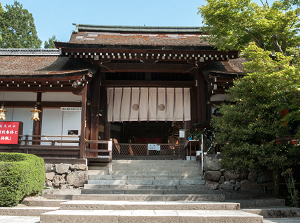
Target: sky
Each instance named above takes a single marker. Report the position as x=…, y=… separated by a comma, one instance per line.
x=55, y=17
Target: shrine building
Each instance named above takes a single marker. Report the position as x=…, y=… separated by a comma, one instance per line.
x=130, y=86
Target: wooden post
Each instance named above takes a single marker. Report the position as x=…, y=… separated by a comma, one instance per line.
x=201, y=96
x=83, y=121
x=95, y=112
x=37, y=124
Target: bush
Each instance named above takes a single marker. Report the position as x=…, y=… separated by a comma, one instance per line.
x=20, y=175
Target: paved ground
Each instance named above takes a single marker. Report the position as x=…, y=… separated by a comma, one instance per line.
x=25, y=219
x=281, y=220
x=19, y=219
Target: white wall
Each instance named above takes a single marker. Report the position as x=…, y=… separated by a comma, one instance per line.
x=56, y=122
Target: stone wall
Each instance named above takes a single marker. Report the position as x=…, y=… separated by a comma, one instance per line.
x=66, y=176
x=217, y=178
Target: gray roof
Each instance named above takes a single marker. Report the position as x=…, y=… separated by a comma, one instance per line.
x=139, y=29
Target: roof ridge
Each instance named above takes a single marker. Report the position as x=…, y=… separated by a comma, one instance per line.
x=29, y=52
x=151, y=29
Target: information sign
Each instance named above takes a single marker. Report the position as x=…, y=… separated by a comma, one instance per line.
x=9, y=132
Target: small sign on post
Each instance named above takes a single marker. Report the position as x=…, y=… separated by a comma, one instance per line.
x=181, y=133
x=154, y=147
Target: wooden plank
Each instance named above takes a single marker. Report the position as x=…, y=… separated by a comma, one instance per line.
x=42, y=89
x=95, y=112
x=201, y=96
x=146, y=67
x=132, y=83
x=83, y=121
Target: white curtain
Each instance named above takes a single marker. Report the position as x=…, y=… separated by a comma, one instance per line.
x=148, y=104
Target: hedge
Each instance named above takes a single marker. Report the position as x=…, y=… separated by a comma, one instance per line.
x=20, y=175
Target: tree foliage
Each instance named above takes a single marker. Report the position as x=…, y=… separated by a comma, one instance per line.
x=251, y=128
x=232, y=24
x=17, y=28
x=50, y=43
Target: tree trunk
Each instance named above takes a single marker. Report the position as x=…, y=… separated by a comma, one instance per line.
x=275, y=174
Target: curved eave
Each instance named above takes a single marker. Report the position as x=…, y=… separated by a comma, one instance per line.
x=91, y=47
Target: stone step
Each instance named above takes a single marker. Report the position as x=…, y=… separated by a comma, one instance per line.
x=153, y=173
x=25, y=211
x=146, y=197
x=275, y=212
x=147, y=182
x=148, y=205
x=41, y=202
x=156, y=168
x=120, y=177
x=146, y=187
x=260, y=202
x=137, y=216
x=143, y=191
x=154, y=165
x=155, y=161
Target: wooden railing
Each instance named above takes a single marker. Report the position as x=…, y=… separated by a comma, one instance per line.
x=37, y=139
x=54, y=149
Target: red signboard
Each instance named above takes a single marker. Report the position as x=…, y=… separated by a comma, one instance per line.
x=9, y=132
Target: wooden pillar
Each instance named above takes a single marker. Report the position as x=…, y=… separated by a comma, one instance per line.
x=201, y=96
x=37, y=124
x=95, y=112
x=83, y=121
x=194, y=118
x=88, y=112
x=106, y=134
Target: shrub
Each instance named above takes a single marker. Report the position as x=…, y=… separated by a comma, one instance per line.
x=20, y=175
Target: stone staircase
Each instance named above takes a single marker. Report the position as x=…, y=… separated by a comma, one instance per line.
x=147, y=177
x=148, y=191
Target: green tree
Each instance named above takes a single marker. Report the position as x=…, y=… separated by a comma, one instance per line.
x=17, y=28
x=50, y=43
x=233, y=24
x=251, y=126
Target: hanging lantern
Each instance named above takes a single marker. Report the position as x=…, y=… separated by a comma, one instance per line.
x=2, y=113
x=35, y=114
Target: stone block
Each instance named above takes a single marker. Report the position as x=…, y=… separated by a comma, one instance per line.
x=49, y=168
x=50, y=176
x=212, y=185
x=58, y=180
x=227, y=186
x=246, y=185
x=62, y=168
x=212, y=162
x=78, y=178
x=252, y=176
x=212, y=175
x=230, y=175
x=222, y=179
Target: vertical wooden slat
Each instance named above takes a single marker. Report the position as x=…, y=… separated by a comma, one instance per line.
x=201, y=96
x=37, y=124
x=95, y=112
x=83, y=121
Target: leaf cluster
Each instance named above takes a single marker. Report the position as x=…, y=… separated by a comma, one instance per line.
x=17, y=28
x=232, y=24
x=251, y=126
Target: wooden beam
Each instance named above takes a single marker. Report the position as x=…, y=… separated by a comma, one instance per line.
x=37, y=124
x=43, y=89
x=146, y=67
x=95, y=112
x=83, y=121
x=201, y=95
x=51, y=104
x=132, y=83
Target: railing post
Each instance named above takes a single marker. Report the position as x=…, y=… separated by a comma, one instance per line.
x=26, y=139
